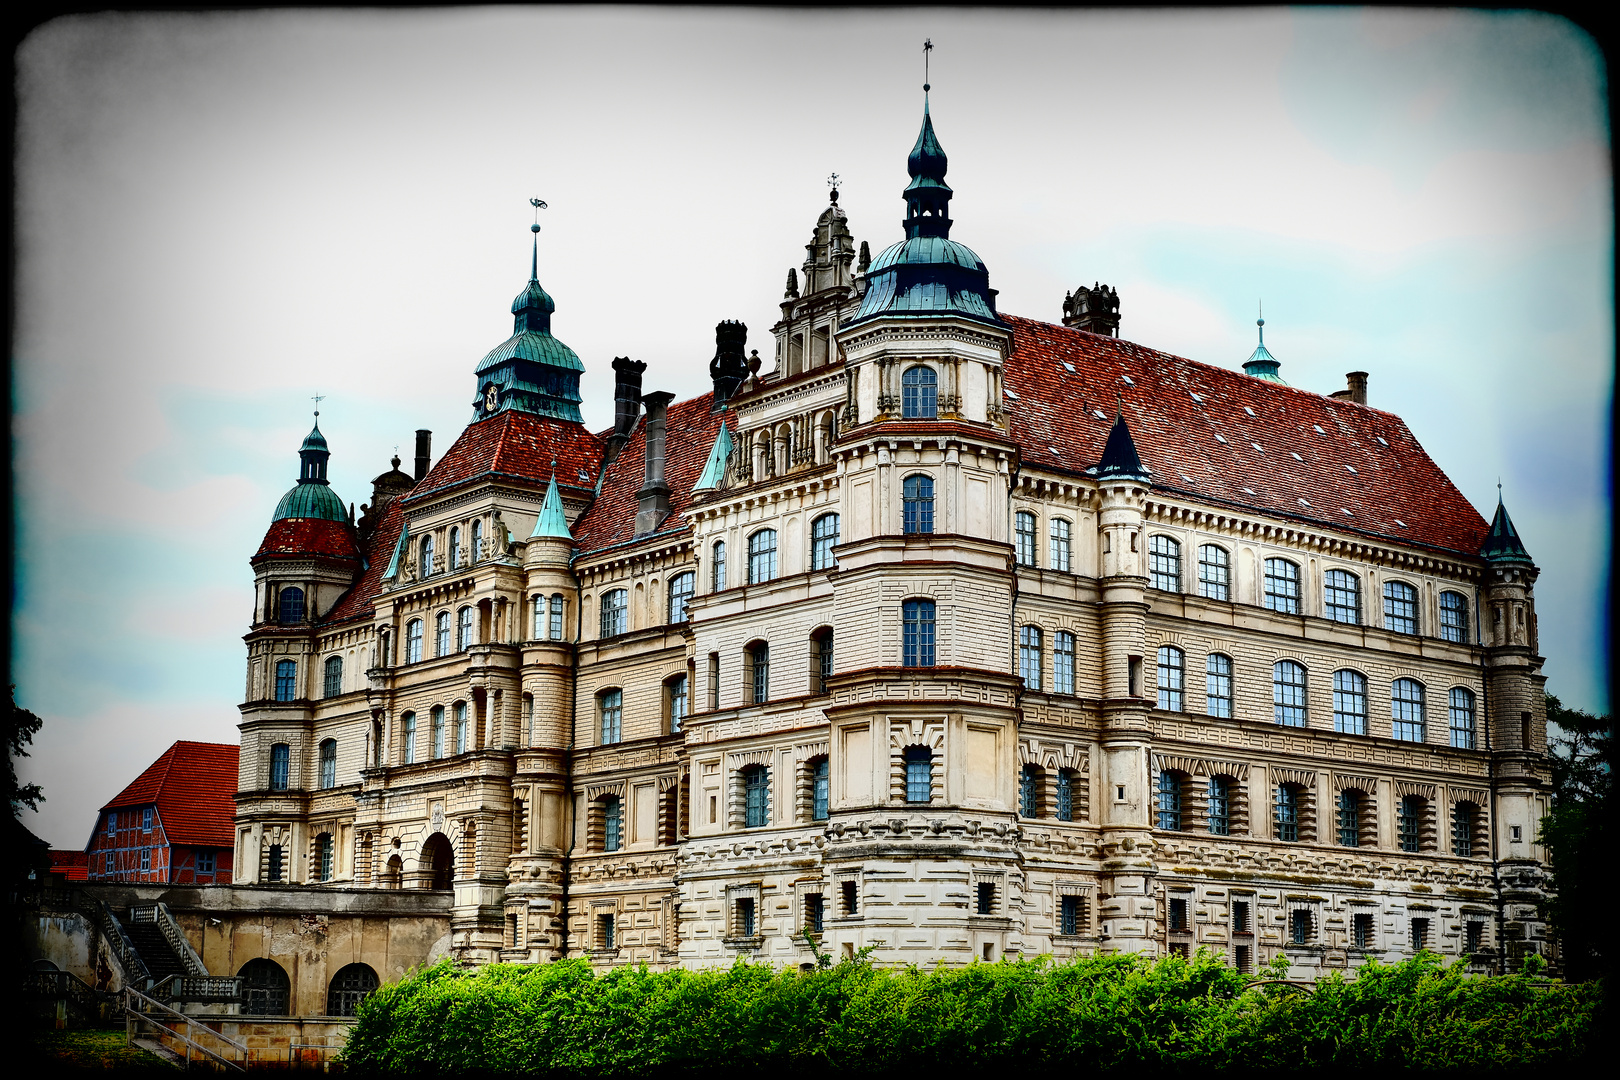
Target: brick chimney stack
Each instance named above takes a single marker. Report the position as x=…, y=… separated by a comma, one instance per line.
x=1355, y=391
x=652, y=501
x=626, y=402
x=424, y=452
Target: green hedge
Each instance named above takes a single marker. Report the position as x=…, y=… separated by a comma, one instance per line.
x=1092, y=1013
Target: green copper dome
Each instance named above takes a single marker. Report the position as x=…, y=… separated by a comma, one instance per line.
x=311, y=500
x=531, y=371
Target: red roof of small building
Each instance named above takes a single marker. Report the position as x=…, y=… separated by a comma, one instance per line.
x=611, y=519
x=1227, y=437
x=73, y=865
x=298, y=537
x=520, y=445
x=193, y=787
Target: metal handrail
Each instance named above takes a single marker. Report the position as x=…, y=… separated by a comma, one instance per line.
x=135, y=1005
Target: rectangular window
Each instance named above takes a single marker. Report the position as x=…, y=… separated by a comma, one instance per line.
x=1453, y=617
x=681, y=588
x=1341, y=597
x=1178, y=915
x=1220, y=806
x=612, y=716
x=815, y=912
x=1063, y=662
x=714, y=681
x=917, y=633
x=462, y=744
x=745, y=917
x=539, y=617
x=759, y=673
x=1462, y=718
x=146, y=819
x=986, y=898
x=556, y=609
x=1473, y=936
x=1029, y=656
x=851, y=897
x=1214, y=572
x=1349, y=702
x=1218, y=685
x=1282, y=586
x=436, y=733
x=762, y=556
x=717, y=567
x=1400, y=607
x=823, y=538
x=1406, y=710
x=112, y=823
x=286, y=680
x=1164, y=563
x=1462, y=830
x=146, y=858
x=819, y=776
x=1172, y=668
x=1349, y=819
x=407, y=736
x=605, y=936
x=1420, y=934
x=1065, y=795
x=615, y=612
x=917, y=504
x=677, y=703
x=205, y=862
x=1062, y=547
x=824, y=661
x=1243, y=958
x=1069, y=917
x=1287, y=813
x=274, y=871
x=1299, y=925
x=1240, y=917
x=1361, y=931
x=1024, y=536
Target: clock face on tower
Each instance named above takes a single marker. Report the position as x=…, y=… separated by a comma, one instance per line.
x=490, y=396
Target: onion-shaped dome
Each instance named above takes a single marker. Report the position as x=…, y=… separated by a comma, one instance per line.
x=311, y=501
x=310, y=520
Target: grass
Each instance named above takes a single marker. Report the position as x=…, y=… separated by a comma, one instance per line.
x=87, y=1050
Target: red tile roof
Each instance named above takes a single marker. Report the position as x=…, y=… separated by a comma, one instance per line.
x=73, y=865
x=357, y=602
x=295, y=537
x=520, y=445
x=611, y=519
x=1065, y=385
x=193, y=787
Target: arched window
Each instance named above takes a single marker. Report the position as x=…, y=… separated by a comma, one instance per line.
x=917, y=633
x=917, y=503
x=436, y=732
x=539, y=631
x=1024, y=538
x=1286, y=812
x=615, y=612
x=756, y=780
x=759, y=673
x=823, y=538
x=1029, y=656
x=1029, y=791
x=265, y=988
x=556, y=616
x=325, y=849
x=1341, y=597
x=1349, y=703
x=717, y=566
x=1218, y=685
x=290, y=604
x=328, y=763
x=1219, y=813
x=1409, y=822
x=349, y=987
x=1288, y=693
x=1454, y=617
x=1172, y=678
x=413, y=641
x=464, y=629
x=1214, y=572
x=820, y=775
x=681, y=588
x=286, y=680
x=612, y=823
x=460, y=714
x=1065, y=794
x=610, y=712
x=1164, y=563
x=821, y=659
x=426, y=566
x=1406, y=710
x=455, y=547
x=919, y=394
x=1462, y=718
x=477, y=541
x=762, y=556
x=441, y=634
x=1464, y=820
x=675, y=693
x=1282, y=586
x=407, y=739
x=280, y=757
x=1169, y=801
x=1059, y=548
x=1062, y=662
x=919, y=763
x=1400, y=607
x=334, y=676
x=1349, y=818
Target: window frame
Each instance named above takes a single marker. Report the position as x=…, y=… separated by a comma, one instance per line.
x=332, y=677
x=1025, y=528
x=762, y=559
x=1280, y=586
x=1454, y=617
x=1168, y=814
x=466, y=632
x=407, y=737
x=917, y=761
x=610, y=716
x=1401, y=611
x=460, y=727
x=442, y=634
x=682, y=588
x=1217, y=681
x=918, y=640
x=328, y=764
x=919, y=396
x=1063, y=654
x=554, y=614
x=1341, y=597
x=1286, y=712
x=612, y=823
x=615, y=613
x=1164, y=563
x=823, y=538
x=1060, y=545
x=290, y=606
x=756, y=785
x=917, y=504
x=1463, y=736
x=1349, y=695
x=280, y=770
x=1031, y=647
x=1218, y=806
x=1171, y=679
x=677, y=700
x=1214, y=574
x=759, y=672
x=1408, y=714
x=413, y=641
x=286, y=680
x=717, y=566
x=1285, y=813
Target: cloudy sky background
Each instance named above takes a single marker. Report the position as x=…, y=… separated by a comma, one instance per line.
x=221, y=215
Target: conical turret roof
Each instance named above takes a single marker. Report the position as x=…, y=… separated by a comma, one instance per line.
x=1502, y=543
x=1120, y=460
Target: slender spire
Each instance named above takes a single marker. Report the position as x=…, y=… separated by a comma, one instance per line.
x=552, y=524
x=1120, y=460
x=1502, y=543
x=534, y=258
x=1261, y=364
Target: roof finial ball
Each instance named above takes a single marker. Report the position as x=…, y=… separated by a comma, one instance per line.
x=928, y=47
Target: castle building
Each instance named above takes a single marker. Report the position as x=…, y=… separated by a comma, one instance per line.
x=957, y=635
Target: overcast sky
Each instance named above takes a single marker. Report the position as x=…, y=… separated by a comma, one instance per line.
x=221, y=215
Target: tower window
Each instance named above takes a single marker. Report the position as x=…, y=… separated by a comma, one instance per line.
x=1061, y=548
x=717, y=566
x=1453, y=617
x=610, y=711
x=286, y=680
x=762, y=556
x=328, y=763
x=823, y=538
x=1462, y=718
x=1400, y=607
x=273, y=870
x=539, y=617
x=290, y=604
x=917, y=633
x=917, y=503
x=919, y=761
x=280, y=755
x=334, y=676
x=1029, y=656
x=441, y=634
x=756, y=780
x=1282, y=586
x=1349, y=703
x=1218, y=685
x=1341, y=597
x=1288, y=693
x=1172, y=678
x=1214, y=572
x=919, y=393
x=615, y=612
x=1406, y=710
x=1024, y=537
x=1219, y=814
x=477, y=541
x=556, y=616
x=681, y=588
x=1063, y=662
x=1164, y=563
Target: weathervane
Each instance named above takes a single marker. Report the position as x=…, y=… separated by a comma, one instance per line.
x=832, y=182
x=318, y=398
x=928, y=47
x=534, y=259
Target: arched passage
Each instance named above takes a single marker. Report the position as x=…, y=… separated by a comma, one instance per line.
x=438, y=863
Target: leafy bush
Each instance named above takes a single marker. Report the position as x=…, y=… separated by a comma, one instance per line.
x=1093, y=1013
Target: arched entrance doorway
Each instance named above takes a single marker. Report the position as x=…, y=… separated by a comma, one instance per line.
x=266, y=990
x=438, y=863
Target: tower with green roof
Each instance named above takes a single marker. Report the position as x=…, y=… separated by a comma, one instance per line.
x=531, y=371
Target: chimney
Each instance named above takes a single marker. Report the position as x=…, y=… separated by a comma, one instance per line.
x=626, y=402
x=1358, y=386
x=652, y=501
x=1095, y=309
x=424, y=452
x=729, y=366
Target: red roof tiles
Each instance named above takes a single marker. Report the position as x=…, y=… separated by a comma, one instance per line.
x=519, y=445
x=72, y=865
x=192, y=785
x=356, y=603
x=298, y=537
x=1224, y=436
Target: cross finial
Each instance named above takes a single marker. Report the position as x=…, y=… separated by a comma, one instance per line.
x=928, y=47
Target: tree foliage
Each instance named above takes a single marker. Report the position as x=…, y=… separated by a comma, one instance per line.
x=1095, y=1013
x=1578, y=834
x=20, y=732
